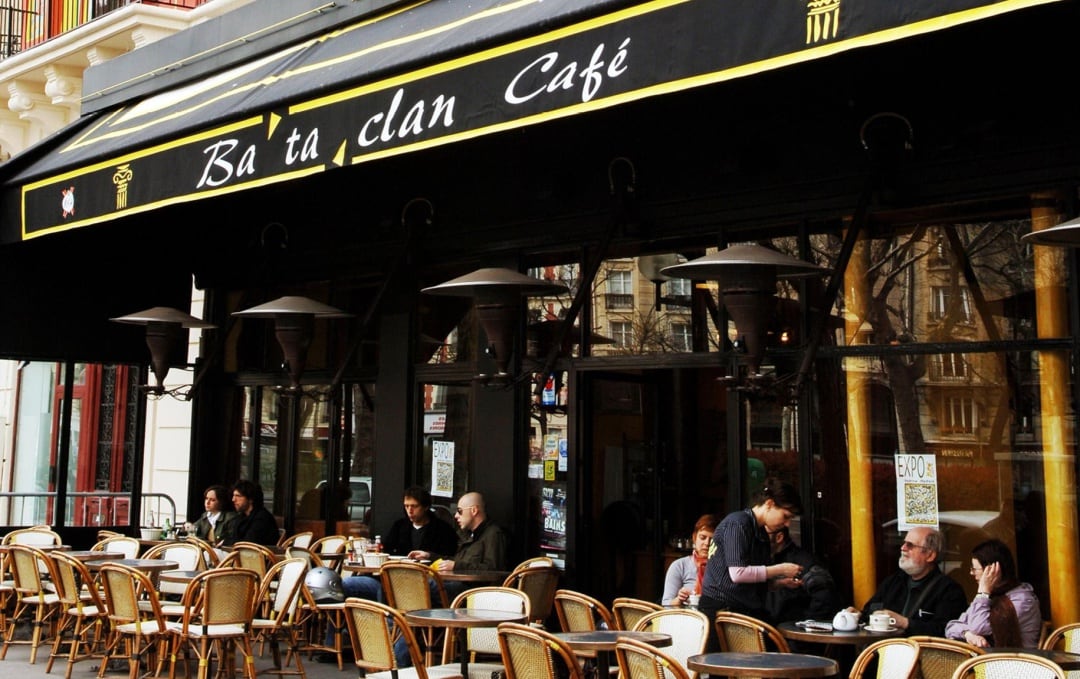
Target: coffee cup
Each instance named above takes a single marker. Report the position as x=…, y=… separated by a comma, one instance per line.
x=693, y=600
x=881, y=621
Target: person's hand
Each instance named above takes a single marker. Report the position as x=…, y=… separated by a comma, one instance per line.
x=901, y=621
x=976, y=639
x=786, y=583
x=446, y=565
x=419, y=555
x=683, y=596
x=789, y=570
x=989, y=578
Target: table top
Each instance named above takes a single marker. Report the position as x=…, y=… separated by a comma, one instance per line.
x=149, y=565
x=358, y=568
x=605, y=639
x=1067, y=661
x=474, y=576
x=461, y=617
x=91, y=555
x=763, y=664
x=858, y=637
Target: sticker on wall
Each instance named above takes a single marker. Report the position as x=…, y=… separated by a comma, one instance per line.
x=916, y=491
x=442, y=468
x=562, y=455
x=549, y=470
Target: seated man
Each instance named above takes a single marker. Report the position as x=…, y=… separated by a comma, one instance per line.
x=919, y=596
x=814, y=598
x=256, y=523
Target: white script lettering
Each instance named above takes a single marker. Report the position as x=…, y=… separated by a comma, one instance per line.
x=590, y=76
x=309, y=151
x=411, y=123
x=219, y=169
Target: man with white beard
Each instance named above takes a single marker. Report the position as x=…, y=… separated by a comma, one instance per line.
x=919, y=596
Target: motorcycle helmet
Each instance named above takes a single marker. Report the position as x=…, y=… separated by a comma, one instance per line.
x=324, y=585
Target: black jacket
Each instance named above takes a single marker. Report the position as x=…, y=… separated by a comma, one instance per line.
x=436, y=536
x=815, y=599
x=944, y=600
x=259, y=527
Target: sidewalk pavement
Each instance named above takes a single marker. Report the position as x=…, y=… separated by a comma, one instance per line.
x=17, y=666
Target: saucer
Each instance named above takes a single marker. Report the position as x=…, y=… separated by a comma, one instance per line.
x=883, y=630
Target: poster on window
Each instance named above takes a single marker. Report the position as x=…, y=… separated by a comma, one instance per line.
x=442, y=468
x=916, y=491
x=553, y=511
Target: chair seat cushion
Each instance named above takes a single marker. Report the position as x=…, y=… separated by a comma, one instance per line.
x=477, y=670
x=196, y=631
x=86, y=611
x=34, y=598
x=146, y=627
x=438, y=672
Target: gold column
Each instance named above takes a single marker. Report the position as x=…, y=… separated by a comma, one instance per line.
x=856, y=299
x=1051, y=309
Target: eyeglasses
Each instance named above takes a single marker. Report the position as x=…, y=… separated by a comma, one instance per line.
x=461, y=509
x=911, y=545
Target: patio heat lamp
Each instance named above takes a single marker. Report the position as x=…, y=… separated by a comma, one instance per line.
x=497, y=295
x=164, y=326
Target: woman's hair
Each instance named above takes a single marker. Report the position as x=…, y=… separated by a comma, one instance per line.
x=223, y=497
x=420, y=494
x=782, y=493
x=996, y=551
x=707, y=522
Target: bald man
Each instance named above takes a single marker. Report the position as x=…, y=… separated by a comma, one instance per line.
x=483, y=545
x=919, y=595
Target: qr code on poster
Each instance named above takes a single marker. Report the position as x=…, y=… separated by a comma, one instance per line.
x=920, y=503
x=444, y=474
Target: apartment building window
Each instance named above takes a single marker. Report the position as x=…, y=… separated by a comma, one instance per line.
x=944, y=304
x=961, y=415
x=681, y=339
x=620, y=290
x=623, y=333
x=950, y=367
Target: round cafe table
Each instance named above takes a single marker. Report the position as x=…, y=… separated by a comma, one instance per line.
x=463, y=618
x=602, y=641
x=1067, y=661
x=85, y=555
x=859, y=638
x=476, y=577
x=763, y=665
x=151, y=567
x=178, y=577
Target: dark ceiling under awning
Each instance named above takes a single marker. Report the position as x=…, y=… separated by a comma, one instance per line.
x=424, y=75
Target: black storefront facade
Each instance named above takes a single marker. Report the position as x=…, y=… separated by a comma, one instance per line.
x=399, y=150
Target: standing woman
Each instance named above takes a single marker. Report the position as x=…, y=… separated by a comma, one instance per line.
x=217, y=524
x=685, y=574
x=1005, y=612
x=739, y=572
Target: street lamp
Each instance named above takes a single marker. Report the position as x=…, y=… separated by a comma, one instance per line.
x=163, y=329
x=497, y=295
x=294, y=319
x=746, y=275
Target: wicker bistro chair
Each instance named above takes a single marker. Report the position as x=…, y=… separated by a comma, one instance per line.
x=301, y=540
x=581, y=613
x=540, y=583
x=638, y=660
x=409, y=587
x=209, y=554
x=689, y=631
x=315, y=618
x=531, y=653
x=28, y=565
x=331, y=544
x=373, y=628
x=897, y=658
x=284, y=613
x=218, y=606
x=939, y=657
x=627, y=611
x=249, y=555
x=121, y=544
x=1065, y=638
x=142, y=631
x=187, y=555
x=1009, y=666
x=745, y=634
x=34, y=537
x=82, y=613
x=481, y=641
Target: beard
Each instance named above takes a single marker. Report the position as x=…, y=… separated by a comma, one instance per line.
x=909, y=566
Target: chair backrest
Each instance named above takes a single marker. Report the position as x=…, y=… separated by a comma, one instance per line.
x=580, y=612
x=1066, y=637
x=745, y=634
x=1009, y=666
x=372, y=629
x=32, y=536
x=252, y=556
x=689, y=631
x=28, y=566
x=627, y=611
x=536, y=562
x=638, y=660
x=209, y=554
x=187, y=555
x=220, y=596
x=406, y=588
x=285, y=594
x=331, y=544
x=484, y=639
x=897, y=658
x=540, y=584
x=531, y=653
x=71, y=575
x=301, y=540
x=124, y=588
x=120, y=544
x=939, y=657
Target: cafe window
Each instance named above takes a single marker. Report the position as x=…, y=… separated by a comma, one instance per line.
x=681, y=337
x=622, y=333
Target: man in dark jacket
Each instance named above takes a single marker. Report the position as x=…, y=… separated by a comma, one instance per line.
x=919, y=596
x=420, y=528
x=256, y=523
x=815, y=597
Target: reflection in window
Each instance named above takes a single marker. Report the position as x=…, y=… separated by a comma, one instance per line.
x=620, y=290
x=942, y=302
x=961, y=415
x=622, y=333
x=681, y=337
x=949, y=367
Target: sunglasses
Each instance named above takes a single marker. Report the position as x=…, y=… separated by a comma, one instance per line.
x=461, y=509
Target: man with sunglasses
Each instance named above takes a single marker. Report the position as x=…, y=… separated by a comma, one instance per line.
x=919, y=596
x=483, y=544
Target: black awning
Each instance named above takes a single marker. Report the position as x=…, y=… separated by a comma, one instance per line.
x=430, y=74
